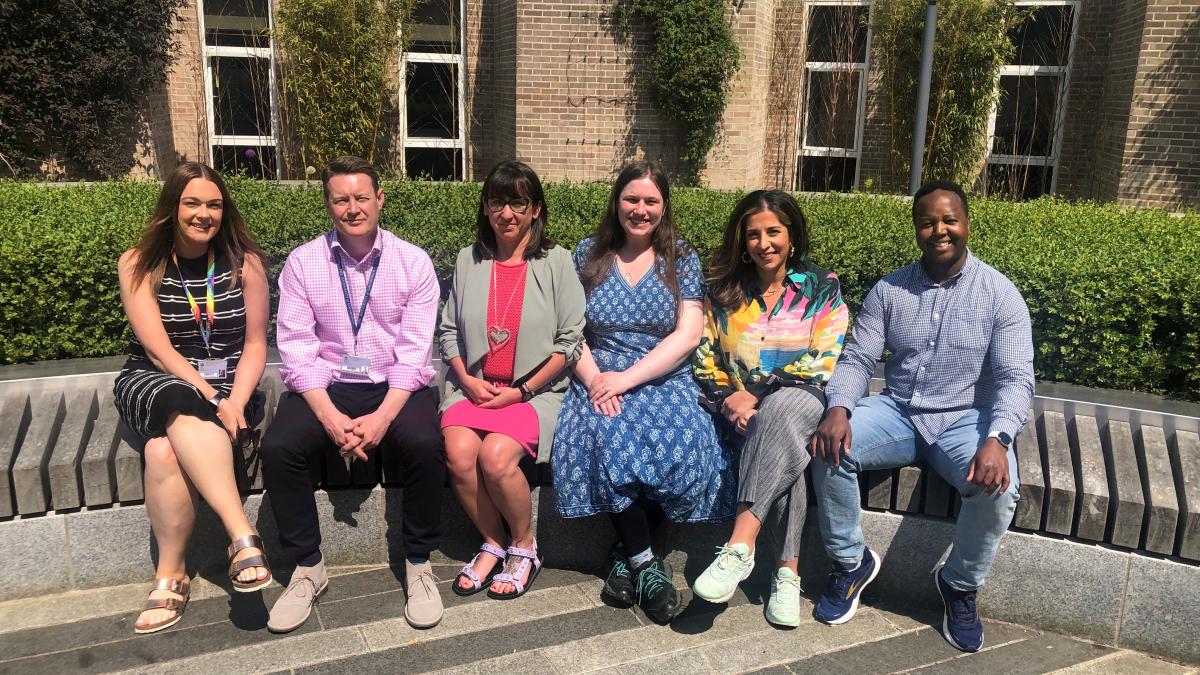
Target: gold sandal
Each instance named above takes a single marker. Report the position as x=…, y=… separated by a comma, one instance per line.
x=180, y=587
x=237, y=567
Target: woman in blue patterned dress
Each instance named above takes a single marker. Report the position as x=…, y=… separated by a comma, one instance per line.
x=632, y=440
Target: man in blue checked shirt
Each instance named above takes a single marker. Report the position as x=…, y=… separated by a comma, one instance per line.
x=959, y=384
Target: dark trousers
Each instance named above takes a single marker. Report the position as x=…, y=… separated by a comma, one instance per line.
x=414, y=438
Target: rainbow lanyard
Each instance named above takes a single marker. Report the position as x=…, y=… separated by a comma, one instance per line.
x=210, y=300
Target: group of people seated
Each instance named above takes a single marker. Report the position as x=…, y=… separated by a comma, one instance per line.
x=657, y=388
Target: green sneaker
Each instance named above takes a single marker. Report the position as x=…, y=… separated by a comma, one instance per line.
x=719, y=582
x=783, y=608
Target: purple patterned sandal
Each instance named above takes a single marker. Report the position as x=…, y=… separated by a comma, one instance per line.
x=468, y=571
x=513, y=571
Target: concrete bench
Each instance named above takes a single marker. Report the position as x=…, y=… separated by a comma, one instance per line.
x=1105, y=540
x=1122, y=469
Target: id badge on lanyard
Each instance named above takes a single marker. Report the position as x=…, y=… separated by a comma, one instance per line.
x=213, y=369
x=353, y=364
x=210, y=368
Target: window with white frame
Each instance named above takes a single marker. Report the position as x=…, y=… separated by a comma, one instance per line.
x=239, y=85
x=431, y=95
x=837, y=40
x=1025, y=132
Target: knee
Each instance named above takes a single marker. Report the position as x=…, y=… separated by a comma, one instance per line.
x=462, y=455
x=160, y=456
x=497, y=459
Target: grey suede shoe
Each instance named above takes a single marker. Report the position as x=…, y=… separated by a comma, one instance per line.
x=292, y=608
x=424, y=606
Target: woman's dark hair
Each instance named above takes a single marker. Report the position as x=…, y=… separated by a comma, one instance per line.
x=610, y=235
x=153, y=249
x=935, y=185
x=731, y=277
x=510, y=180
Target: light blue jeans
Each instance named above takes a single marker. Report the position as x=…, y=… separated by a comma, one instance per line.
x=883, y=437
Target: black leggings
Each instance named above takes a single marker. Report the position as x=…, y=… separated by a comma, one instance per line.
x=637, y=525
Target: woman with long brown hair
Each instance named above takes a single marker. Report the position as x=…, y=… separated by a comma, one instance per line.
x=195, y=291
x=775, y=324
x=632, y=439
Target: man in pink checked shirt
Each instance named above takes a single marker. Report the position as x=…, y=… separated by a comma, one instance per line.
x=357, y=308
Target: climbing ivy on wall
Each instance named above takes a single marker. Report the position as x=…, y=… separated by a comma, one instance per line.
x=972, y=44
x=691, y=57
x=74, y=77
x=336, y=57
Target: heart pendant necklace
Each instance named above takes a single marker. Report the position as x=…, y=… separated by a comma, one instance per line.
x=497, y=335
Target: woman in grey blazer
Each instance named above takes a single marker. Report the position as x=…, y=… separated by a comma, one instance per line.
x=507, y=368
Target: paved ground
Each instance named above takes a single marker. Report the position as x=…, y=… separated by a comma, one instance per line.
x=559, y=627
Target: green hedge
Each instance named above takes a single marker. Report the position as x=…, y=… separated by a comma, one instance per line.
x=1115, y=296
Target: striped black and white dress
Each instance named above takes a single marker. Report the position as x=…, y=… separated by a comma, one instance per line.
x=145, y=396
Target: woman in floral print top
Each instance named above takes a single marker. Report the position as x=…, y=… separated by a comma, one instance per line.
x=775, y=326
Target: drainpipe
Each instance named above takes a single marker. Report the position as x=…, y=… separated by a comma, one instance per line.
x=922, y=116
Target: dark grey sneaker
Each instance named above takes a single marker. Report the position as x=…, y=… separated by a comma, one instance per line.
x=656, y=593
x=618, y=580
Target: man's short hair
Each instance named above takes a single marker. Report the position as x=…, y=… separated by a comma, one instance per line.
x=948, y=186
x=348, y=164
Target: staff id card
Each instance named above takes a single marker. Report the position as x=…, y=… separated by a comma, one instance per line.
x=213, y=369
x=355, y=365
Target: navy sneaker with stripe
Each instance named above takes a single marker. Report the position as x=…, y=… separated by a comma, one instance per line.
x=960, y=621
x=839, y=602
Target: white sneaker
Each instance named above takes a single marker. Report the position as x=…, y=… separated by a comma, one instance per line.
x=783, y=608
x=719, y=582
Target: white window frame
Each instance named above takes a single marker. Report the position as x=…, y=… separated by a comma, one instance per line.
x=458, y=60
x=829, y=67
x=209, y=51
x=1063, y=73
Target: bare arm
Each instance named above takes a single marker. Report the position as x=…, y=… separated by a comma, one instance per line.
x=664, y=358
x=256, y=292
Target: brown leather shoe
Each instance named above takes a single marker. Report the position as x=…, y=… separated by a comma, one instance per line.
x=292, y=608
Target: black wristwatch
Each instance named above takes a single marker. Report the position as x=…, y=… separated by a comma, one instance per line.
x=217, y=398
x=1005, y=439
x=526, y=392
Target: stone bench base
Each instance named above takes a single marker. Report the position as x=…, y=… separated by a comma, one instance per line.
x=1088, y=590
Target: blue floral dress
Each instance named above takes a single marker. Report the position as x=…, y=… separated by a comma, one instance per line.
x=662, y=445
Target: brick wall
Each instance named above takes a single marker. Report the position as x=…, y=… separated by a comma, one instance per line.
x=491, y=83
x=185, y=93
x=1161, y=157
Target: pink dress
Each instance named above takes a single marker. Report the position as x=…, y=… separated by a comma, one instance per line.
x=517, y=421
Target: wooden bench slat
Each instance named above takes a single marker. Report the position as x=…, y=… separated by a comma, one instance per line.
x=1162, y=504
x=15, y=417
x=66, y=491
x=1188, y=447
x=1127, y=484
x=1093, y=477
x=99, y=485
x=909, y=489
x=1060, y=470
x=1031, y=473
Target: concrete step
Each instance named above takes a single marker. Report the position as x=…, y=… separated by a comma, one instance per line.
x=560, y=626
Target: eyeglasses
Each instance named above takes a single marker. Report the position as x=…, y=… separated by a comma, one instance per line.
x=518, y=205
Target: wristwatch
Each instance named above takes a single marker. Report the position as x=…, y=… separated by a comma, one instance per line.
x=1004, y=438
x=217, y=398
x=526, y=392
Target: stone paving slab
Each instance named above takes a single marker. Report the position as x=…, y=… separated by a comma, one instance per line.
x=1039, y=654
x=1127, y=663
x=909, y=650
